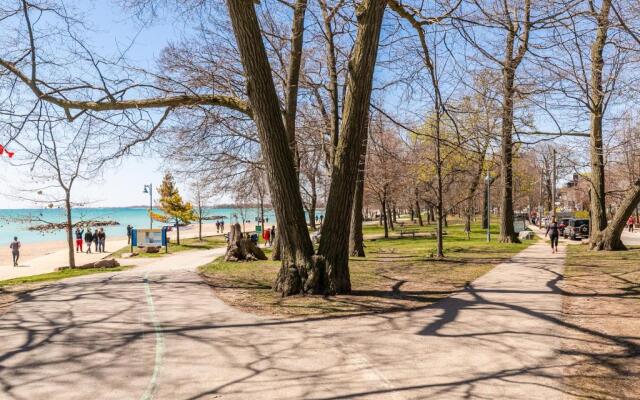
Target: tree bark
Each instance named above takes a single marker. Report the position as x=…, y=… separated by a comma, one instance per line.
x=298, y=272
x=293, y=75
x=332, y=67
x=512, y=60
x=390, y=216
x=598, y=207
x=242, y=249
x=334, y=243
x=383, y=203
x=610, y=238
x=70, y=244
x=418, y=211
x=356, y=239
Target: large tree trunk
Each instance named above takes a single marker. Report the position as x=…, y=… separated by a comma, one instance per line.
x=507, y=230
x=293, y=75
x=610, y=238
x=512, y=60
x=383, y=203
x=70, y=244
x=390, y=216
x=311, y=211
x=356, y=240
x=332, y=67
x=597, y=99
x=298, y=272
x=418, y=211
x=334, y=243
x=242, y=249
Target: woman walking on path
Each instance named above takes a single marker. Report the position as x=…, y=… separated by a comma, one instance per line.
x=15, y=250
x=554, y=233
x=88, y=238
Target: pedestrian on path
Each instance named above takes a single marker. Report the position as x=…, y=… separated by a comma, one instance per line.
x=15, y=250
x=95, y=239
x=129, y=233
x=554, y=233
x=88, y=238
x=631, y=222
x=79, y=234
x=266, y=235
x=102, y=237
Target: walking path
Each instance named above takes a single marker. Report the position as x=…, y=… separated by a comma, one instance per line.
x=159, y=332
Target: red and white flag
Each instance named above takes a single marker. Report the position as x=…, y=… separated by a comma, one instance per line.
x=4, y=150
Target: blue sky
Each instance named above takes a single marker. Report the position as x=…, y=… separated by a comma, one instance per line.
x=121, y=185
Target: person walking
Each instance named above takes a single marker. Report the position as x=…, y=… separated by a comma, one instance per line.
x=88, y=238
x=79, y=240
x=630, y=222
x=101, y=240
x=266, y=236
x=222, y=226
x=95, y=239
x=217, y=226
x=15, y=250
x=129, y=233
x=554, y=233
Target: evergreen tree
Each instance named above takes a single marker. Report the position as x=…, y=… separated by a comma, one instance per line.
x=173, y=206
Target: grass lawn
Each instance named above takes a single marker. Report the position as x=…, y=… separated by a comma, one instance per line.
x=604, y=297
x=397, y=274
x=208, y=242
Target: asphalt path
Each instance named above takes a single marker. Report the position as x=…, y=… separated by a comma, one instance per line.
x=159, y=332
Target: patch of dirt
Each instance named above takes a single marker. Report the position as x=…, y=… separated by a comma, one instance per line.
x=603, y=303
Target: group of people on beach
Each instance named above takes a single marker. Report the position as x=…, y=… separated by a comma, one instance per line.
x=269, y=235
x=219, y=226
x=98, y=238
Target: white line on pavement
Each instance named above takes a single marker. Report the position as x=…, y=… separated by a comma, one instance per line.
x=153, y=383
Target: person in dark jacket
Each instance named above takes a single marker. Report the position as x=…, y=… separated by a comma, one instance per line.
x=129, y=233
x=95, y=239
x=554, y=233
x=88, y=238
x=102, y=237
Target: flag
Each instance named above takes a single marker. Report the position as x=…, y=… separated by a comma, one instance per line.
x=4, y=150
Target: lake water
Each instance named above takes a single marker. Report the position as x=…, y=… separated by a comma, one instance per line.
x=11, y=224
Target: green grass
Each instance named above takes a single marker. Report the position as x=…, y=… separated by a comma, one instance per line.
x=56, y=276
x=396, y=274
x=207, y=243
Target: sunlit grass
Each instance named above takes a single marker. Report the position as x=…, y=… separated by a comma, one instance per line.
x=397, y=273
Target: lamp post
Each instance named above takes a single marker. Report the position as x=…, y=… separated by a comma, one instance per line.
x=487, y=180
x=149, y=189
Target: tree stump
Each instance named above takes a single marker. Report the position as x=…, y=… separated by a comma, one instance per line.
x=242, y=249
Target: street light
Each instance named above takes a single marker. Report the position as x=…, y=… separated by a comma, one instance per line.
x=149, y=189
x=487, y=180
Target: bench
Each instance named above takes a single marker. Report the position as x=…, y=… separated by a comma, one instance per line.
x=408, y=231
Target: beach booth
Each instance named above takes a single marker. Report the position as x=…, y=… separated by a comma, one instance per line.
x=151, y=240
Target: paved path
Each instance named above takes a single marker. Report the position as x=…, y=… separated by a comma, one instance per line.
x=158, y=332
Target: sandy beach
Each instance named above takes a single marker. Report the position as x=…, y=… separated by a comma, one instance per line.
x=29, y=251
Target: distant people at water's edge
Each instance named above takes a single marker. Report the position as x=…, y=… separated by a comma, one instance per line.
x=88, y=238
x=15, y=250
x=79, y=234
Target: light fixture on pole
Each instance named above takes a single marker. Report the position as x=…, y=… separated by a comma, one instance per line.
x=149, y=189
